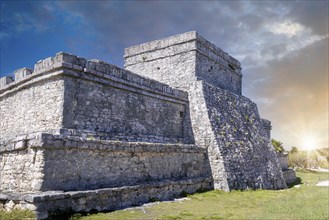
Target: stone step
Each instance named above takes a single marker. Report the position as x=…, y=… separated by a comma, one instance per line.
x=44, y=204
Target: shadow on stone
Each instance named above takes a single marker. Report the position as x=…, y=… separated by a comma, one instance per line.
x=298, y=181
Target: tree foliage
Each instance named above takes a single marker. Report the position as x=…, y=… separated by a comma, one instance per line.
x=302, y=159
x=293, y=150
x=297, y=159
x=278, y=145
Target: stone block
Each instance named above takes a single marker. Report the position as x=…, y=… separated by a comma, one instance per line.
x=69, y=58
x=4, y=81
x=194, y=58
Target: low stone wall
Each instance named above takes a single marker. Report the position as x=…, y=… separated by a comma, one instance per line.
x=283, y=159
x=106, y=199
x=289, y=176
x=32, y=108
x=44, y=161
x=49, y=173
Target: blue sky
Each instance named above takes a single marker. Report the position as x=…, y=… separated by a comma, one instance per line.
x=282, y=46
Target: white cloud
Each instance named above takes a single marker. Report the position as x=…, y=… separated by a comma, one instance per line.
x=302, y=42
x=287, y=28
x=263, y=101
x=25, y=22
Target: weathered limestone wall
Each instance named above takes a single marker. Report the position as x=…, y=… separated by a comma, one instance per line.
x=21, y=169
x=57, y=162
x=31, y=108
x=230, y=128
x=267, y=127
x=216, y=67
x=92, y=97
x=123, y=114
x=248, y=156
x=185, y=58
x=204, y=135
x=161, y=59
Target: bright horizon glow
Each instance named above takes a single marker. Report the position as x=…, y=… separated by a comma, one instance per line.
x=309, y=143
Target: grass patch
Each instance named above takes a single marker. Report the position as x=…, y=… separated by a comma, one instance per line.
x=17, y=214
x=305, y=202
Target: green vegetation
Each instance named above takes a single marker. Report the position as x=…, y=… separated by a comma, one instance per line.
x=308, y=159
x=293, y=150
x=305, y=202
x=323, y=154
x=17, y=215
x=324, y=164
x=278, y=145
x=299, y=159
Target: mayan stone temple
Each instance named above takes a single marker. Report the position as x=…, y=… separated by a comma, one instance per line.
x=86, y=135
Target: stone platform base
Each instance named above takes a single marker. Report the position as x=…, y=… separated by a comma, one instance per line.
x=46, y=203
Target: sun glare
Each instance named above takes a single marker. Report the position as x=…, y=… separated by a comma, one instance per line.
x=309, y=143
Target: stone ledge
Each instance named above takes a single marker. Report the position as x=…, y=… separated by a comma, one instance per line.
x=63, y=139
x=180, y=39
x=150, y=56
x=216, y=50
x=92, y=69
x=105, y=199
x=160, y=44
x=28, y=80
x=162, y=91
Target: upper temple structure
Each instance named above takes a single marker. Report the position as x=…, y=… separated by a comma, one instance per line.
x=84, y=134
